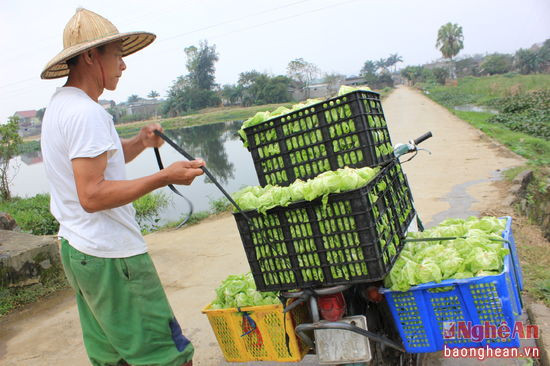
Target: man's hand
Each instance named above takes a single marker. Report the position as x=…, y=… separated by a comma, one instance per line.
x=183, y=172
x=148, y=137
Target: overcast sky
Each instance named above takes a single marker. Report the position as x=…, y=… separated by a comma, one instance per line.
x=264, y=35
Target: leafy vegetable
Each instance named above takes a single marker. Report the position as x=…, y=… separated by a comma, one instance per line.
x=474, y=253
x=341, y=180
x=240, y=291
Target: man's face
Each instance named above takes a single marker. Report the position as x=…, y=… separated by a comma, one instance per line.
x=112, y=63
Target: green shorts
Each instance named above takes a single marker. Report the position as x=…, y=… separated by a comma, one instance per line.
x=124, y=312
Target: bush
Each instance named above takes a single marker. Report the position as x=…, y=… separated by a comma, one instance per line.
x=148, y=209
x=528, y=113
x=32, y=214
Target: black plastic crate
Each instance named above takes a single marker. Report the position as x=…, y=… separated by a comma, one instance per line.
x=356, y=237
x=349, y=130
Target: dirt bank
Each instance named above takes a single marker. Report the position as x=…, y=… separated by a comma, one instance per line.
x=459, y=174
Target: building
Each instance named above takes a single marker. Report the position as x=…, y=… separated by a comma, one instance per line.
x=29, y=123
x=106, y=103
x=27, y=117
x=144, y=107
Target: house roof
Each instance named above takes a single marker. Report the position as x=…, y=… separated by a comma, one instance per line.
x=26, y=114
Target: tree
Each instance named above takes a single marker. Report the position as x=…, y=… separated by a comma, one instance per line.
x=369, y=68
x=260, y=88
x=450, y=41
x=196, y=89
x=153, y=94
x=412, y=73
x=439, y=74
x=133, y=98
x=232, y=93
x=527, y=61
x=303, y=73
x=393, y=60
x=40, y=113
x=496, y=64
x=333, y=81
x=9, y=146
x=200, y=64
x=382, y=64
x=376, y=74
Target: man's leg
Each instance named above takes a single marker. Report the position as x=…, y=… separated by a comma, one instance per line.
x=99, y=349
x=128, y=302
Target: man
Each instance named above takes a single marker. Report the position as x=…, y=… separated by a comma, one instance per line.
x=124, y=313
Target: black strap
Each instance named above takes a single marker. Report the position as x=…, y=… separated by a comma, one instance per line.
x=174, y=189
x=206, y=171
x=215, y=181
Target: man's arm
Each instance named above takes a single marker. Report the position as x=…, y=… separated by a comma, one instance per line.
x=145, y=138
x=96, y=193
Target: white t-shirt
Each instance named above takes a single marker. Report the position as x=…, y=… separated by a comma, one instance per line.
x=74, y=126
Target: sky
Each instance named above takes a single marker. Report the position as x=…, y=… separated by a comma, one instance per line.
x=262, y=35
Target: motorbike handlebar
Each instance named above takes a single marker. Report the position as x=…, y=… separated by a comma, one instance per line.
x=423, y=138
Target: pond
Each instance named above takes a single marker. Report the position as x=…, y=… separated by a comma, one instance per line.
x=217, y=144
x=475, y=108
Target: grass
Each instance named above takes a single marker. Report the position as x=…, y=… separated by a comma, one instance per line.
x=206, y=116
x=486, y=90
x=536, y=150
x=217, y=206
x=51, y=280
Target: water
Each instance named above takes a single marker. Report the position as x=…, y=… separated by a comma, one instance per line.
x=475, y=108
x=217, y=144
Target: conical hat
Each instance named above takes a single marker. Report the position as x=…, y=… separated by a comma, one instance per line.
x=86, y=30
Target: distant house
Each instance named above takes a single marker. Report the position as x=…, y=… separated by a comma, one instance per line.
x=29, y=123
x=27, y=117
x=143, y=107
x=354, y=81
x=106, y=103
x=320, y=89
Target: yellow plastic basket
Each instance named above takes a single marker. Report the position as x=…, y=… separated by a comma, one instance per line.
x=265, y=343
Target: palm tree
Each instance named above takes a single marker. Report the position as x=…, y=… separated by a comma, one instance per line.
x=382, y=64
x=153, y=94
x=393, y=60
x=450, y=41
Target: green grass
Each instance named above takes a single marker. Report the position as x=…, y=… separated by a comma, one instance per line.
x=202, y=117
x=51, y=280
x=32, y=214
x=536, y=150
x=486, y=90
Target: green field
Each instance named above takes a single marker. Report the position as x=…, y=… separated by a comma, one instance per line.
x=486, y=90
x=503, y=92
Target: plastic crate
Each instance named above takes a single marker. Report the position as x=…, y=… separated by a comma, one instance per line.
x=515, y=258
x=349, y=130
x=425, y=313
x=267, y=342
x=355, y=237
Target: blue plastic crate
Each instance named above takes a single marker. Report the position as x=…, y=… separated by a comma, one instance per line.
x=508, y=235
x=423, y=313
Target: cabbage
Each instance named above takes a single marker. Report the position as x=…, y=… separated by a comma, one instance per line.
x=474, y=254
x=345, y=89
x=240, y=291
x=341, y=180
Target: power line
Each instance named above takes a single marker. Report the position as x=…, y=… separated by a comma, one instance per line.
x=284, y=18
x=231, y=21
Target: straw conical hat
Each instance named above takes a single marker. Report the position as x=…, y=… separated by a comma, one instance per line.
x=86, y=30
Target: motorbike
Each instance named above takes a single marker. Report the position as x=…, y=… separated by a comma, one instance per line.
x=352, y=324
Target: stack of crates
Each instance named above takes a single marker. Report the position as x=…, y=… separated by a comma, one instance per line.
x=357, y=235
x=354, y=236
